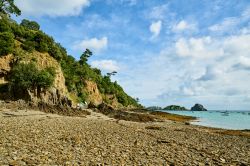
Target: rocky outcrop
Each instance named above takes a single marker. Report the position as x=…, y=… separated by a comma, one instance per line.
x=198, y=107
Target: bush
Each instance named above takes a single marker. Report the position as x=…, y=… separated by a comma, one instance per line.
x=29, y=45
x=32, y=25
x=42, y=42
x=6, y=43
x=27, y=77
x=4, y=25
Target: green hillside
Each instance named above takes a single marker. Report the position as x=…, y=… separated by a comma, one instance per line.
x=22, y=39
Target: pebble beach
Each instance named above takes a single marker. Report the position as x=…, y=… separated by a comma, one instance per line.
x=29, y=137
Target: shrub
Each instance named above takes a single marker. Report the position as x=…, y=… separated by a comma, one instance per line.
x=32, y=25
x=27, y=77
x=6, y=43
x=28, y=45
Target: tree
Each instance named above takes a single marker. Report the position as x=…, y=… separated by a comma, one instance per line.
x=8, y=7
x=6, y=43
x=84, y=57
x=24, y=76
x=44, y=42
x=111, y=74
x=32, y=25
x=4, y=25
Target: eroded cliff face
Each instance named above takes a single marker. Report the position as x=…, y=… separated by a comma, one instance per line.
x=5, y=67
x=96, y=98
x=94, y=95
x=57, y=94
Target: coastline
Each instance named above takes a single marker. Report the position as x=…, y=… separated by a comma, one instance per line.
x=32, y=137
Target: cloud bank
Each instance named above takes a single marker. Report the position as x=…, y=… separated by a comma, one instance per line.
x=52, y=8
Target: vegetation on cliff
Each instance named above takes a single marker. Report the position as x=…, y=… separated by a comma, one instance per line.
x=27, y=37
x=29, y=77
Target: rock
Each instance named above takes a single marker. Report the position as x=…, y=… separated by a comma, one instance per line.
x=198, y=107
x=222, y=160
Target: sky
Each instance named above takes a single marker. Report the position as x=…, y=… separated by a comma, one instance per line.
x=165, y=51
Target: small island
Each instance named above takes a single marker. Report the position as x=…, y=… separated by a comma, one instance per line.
x=175, y=108
x=198, y=107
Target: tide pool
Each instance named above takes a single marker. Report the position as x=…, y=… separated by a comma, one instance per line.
x=237, y=120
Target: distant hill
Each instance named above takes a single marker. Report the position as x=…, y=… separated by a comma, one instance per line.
x=34, y=67
x=175, y=107
x=153, y=108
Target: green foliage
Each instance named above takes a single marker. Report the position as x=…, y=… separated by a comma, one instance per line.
x=175, y=107
x=6, y=43
x=43, y=41
x=24, y=76
x=4, y=25
x=28, y=45
x=84, y=57
x=27, y=76
x=76, y=72
x=44, y=79
x=32, y=25
x=8, y=7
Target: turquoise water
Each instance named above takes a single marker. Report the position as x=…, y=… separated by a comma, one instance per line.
x=237, y=120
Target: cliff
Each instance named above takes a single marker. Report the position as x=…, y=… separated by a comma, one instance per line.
x=74, y=81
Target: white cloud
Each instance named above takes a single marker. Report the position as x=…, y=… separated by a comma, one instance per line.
x=52, y=7
x=231, y=23
x=225, y=24
x=243, y=64
x=212, y=73
x=183, y=25
x=238, y=45
x=155, y=28
x=158, y=12
x=93, y=44
x=106, y=65
x=202, y=47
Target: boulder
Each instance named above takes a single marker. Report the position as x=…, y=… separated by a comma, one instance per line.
x=198, y=107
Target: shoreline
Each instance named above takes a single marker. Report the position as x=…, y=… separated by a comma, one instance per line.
x=219, y=119
x=32, y=137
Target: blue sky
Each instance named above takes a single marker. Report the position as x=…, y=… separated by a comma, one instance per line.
x=165, y=51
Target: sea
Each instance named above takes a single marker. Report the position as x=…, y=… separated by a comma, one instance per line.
x=235, y=120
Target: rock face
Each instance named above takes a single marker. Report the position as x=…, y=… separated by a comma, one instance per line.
x=198, y=107
x=94, y=95
x=5, y=67
x=56, y=95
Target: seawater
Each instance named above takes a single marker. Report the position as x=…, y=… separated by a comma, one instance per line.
x=236, y=120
